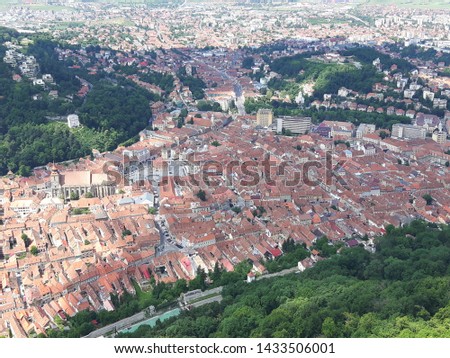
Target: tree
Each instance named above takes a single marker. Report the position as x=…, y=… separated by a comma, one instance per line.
x=288, y=245
x=236, y=209
x=24, y=170
x=216, y=274
x=183, y=113
x=26, y=240
x=205, y=106
x=215, y=143
x=383, y=134
x=126, y=232
x=248, y=62
x=428, y=198
x=152, y=211
x=74, y=195
x=329, y=328
x=88, y=195
x=34, y=250
x=199, y=282
x=201, y=195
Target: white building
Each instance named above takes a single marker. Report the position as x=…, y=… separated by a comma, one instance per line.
x=365, y=128
x=296, y=125
x=73, y=121
x=24, y=207
x=408, y=131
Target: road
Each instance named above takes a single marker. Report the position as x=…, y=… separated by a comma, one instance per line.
x=205, y=302
x=125, y=323
x=163, y=246
x=238, y=92
x=240, y=99
x=281, y=273
x=358, y=19
x=138, y=317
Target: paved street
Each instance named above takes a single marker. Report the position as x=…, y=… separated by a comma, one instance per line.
x=126, y=322
x=138, y=317
x=208, y=300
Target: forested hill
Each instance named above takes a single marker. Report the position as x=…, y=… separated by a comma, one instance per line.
x=33, y=126
x=402, y=290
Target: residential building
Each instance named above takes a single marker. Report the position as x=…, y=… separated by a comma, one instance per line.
x=296, y=125
x=264, y=117
x=365, y=128
x=439, y=136
x=408, y=131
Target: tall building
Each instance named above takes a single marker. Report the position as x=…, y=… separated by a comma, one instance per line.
x=408, y=131
x=264, y=117
x=365, y=128
x=296, y=125
x=439, y=136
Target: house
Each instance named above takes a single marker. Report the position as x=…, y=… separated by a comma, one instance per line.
x=73, y=121
x=352, y=243
x=305, y=264
x=251, y=277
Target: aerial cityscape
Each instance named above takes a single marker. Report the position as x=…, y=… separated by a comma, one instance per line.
x=224, y=168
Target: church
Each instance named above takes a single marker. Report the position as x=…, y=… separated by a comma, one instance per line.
x=80, y=182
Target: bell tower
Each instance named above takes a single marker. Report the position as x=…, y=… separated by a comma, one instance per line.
x=55, y=177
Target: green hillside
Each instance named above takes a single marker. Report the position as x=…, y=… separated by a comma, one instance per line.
x=402, y=290
x=114, y=111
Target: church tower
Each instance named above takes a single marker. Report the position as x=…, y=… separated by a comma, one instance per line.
x=55, y=177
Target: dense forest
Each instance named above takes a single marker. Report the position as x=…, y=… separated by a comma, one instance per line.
x=367, y=55
x=328, y=78
x=402, y=290
x=114, y=110
x=25, y=131
x=117, y=106
x=165, y=81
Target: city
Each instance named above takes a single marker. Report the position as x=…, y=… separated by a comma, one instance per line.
x=162, y=154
